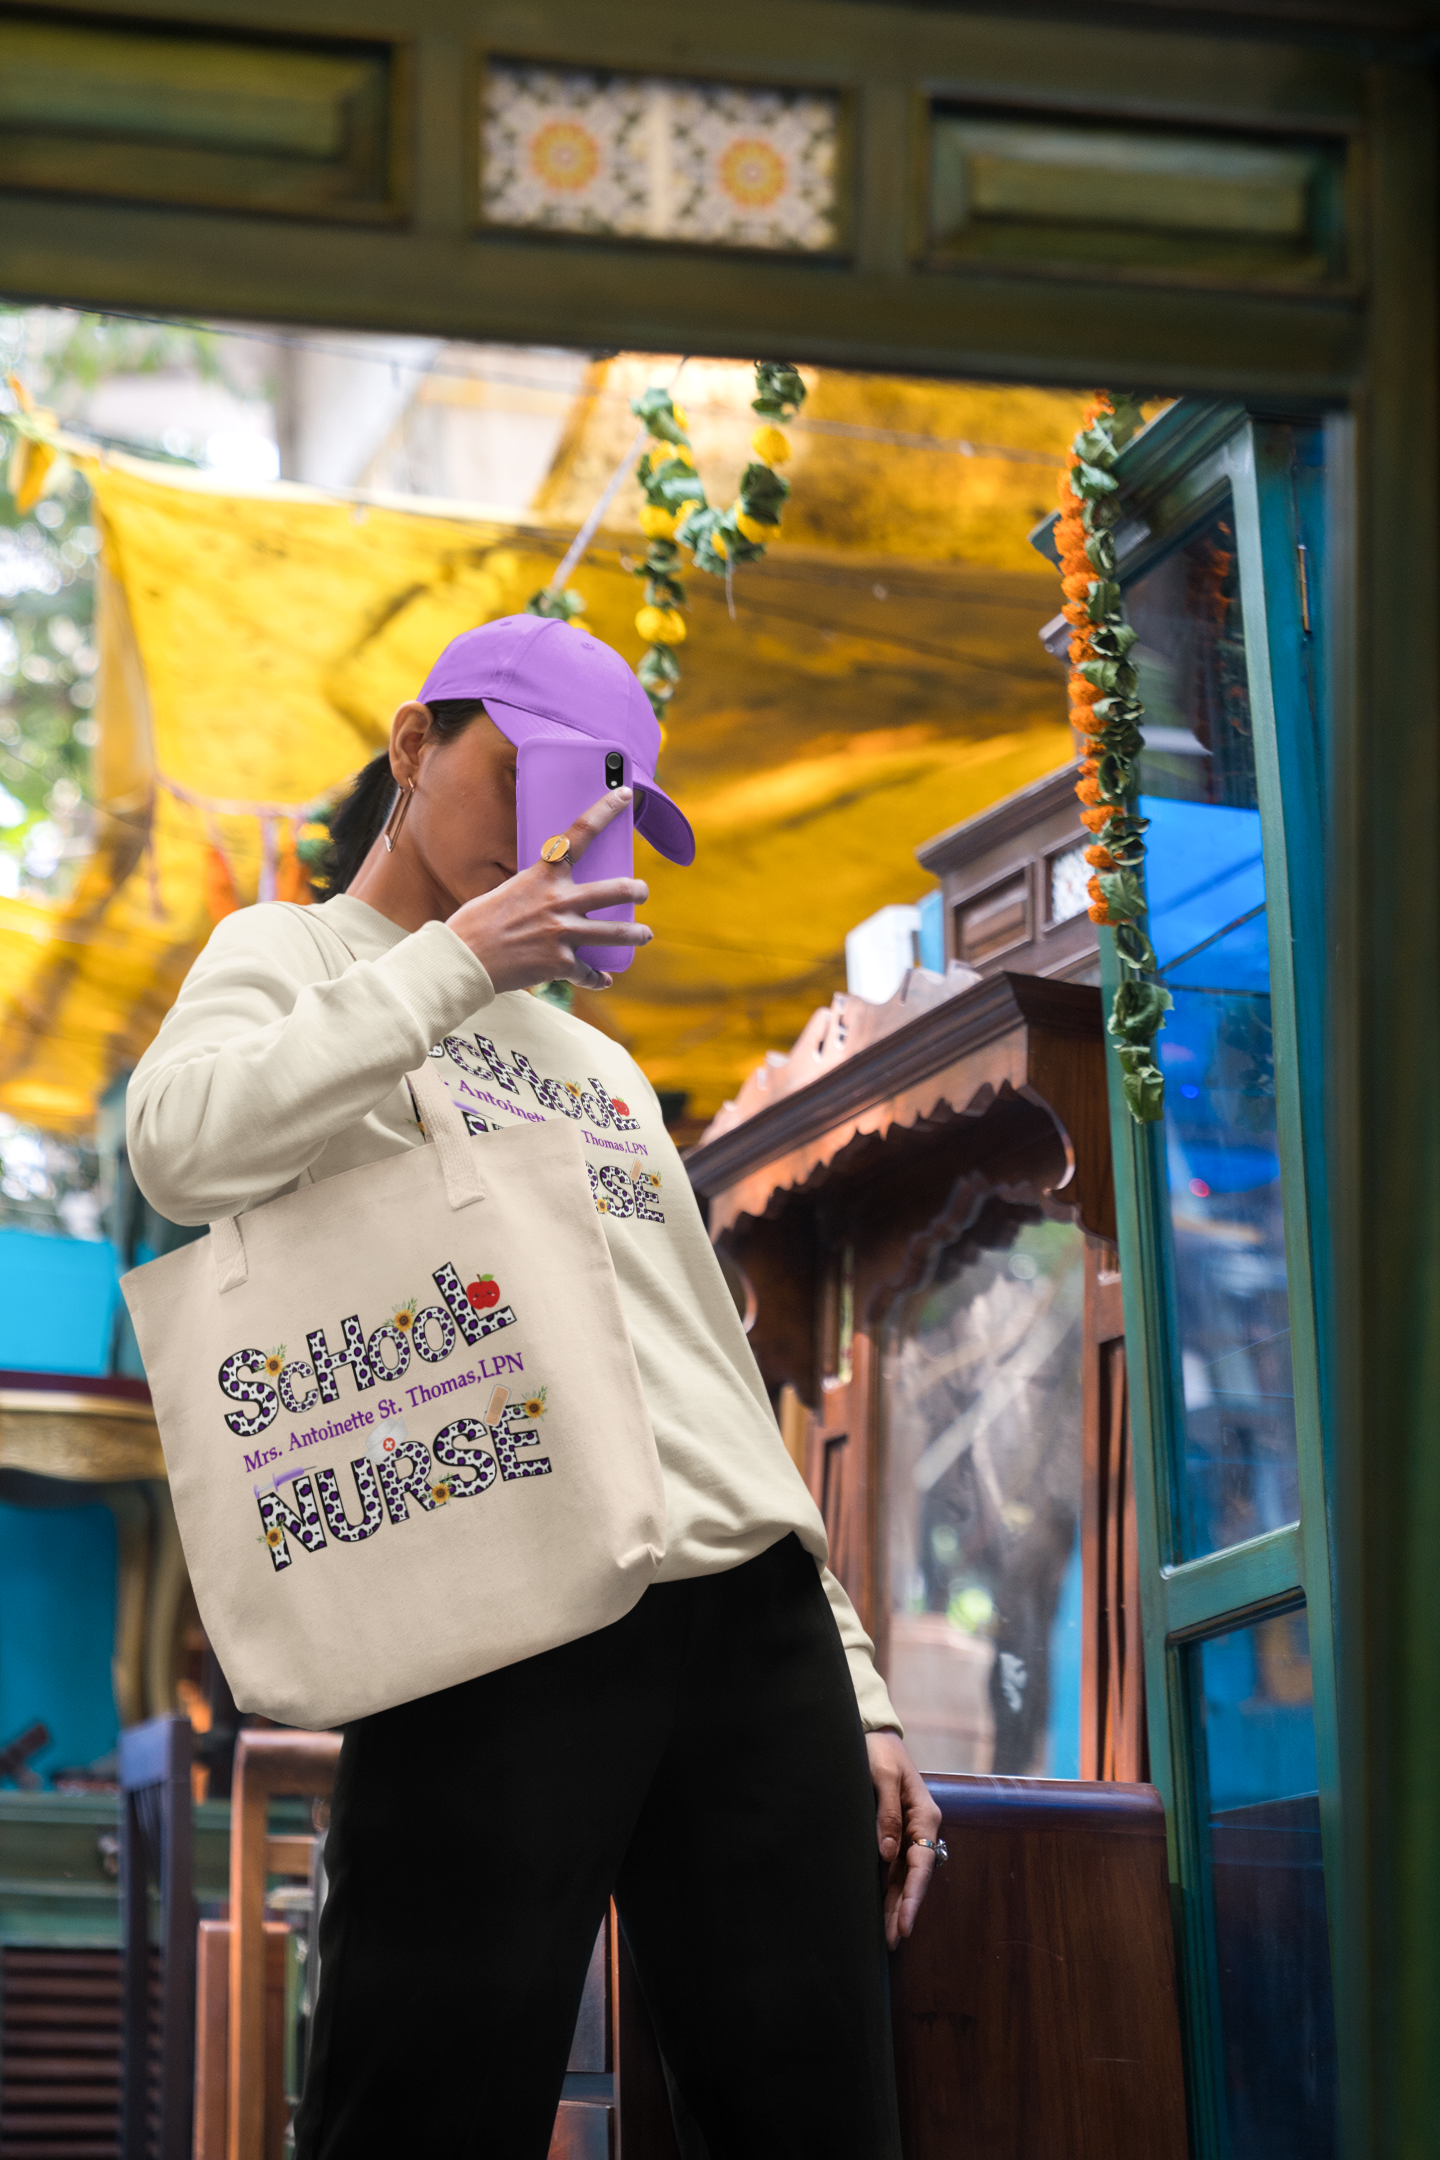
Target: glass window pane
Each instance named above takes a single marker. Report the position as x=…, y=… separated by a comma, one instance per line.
x=1205, y=881
x=982, y=1392
x=1272, y=1949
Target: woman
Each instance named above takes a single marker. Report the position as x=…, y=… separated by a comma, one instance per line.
x=725, y=1759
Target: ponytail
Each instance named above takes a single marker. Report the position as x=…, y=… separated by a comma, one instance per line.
x=361, y=818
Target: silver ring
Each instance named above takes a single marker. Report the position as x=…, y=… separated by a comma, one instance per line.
x=936, y=1845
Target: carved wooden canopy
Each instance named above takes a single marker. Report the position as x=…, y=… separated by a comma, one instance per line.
x=1010, y=1067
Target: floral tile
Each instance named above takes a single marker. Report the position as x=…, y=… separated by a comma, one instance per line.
x=718, y=164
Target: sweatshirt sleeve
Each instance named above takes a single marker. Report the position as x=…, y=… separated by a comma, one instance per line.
x=877, y=1712
x=264, y=1058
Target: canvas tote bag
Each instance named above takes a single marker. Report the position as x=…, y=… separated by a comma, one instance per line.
x=403, y=1423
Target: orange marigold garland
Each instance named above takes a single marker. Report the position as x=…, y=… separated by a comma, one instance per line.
x=1107, y=713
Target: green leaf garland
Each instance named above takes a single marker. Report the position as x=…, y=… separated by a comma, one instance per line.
x=1106, y=710
x=678, y=514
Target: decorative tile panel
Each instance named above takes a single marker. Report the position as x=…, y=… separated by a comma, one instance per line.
x=718, y=164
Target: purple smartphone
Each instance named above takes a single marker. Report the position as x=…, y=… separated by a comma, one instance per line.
x=554, y=782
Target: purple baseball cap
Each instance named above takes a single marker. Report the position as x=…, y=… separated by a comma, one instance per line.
x=540, y=676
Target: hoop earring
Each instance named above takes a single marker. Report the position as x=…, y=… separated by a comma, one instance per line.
x=396, y=819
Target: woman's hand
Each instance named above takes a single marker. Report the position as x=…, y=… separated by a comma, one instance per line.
x=904, y=1810
x=527, y=929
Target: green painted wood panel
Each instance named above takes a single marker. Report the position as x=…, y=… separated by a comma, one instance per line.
x=1369, y=359
x=884, y=305
x=204, y=121
x=1268, y=478
x=1241, y=1578
x=1178, y=204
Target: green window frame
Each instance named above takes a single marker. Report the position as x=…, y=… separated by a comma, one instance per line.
x=1279, y=478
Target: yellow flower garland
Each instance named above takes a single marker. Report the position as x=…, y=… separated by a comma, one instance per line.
x=677, y=513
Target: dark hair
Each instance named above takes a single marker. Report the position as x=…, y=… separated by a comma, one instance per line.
x=360, y=819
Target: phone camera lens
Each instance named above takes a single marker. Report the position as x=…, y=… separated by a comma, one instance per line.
x=614, y=769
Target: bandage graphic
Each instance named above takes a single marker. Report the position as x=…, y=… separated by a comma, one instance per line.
x=495, y=1408
x=387, y=1439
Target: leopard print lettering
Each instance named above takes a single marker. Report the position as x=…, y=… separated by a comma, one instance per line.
x=548, y=1093
x=619, y=1191
x=458, y=1446
x=277, y=1514
x=624, y=1122
x=387, y=1332
x=328, y=1362
x=246, y=1423
x=419, y=1333
x=511, y=1433
x=293, y=1404
x=474, y=1123
x=500, y=1072
x=457, y=1050
x=645, y=1184
x=596, y=1105
x=472, y=1325
x=372, y=1515
x=416, y=1482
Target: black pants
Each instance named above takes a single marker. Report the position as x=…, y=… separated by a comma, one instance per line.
x=703, y=1761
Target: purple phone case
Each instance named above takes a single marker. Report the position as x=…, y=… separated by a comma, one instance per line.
x=554, y=782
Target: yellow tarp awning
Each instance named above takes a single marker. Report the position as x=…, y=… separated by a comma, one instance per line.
x=882, y=679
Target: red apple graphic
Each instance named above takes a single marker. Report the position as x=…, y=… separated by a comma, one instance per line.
x=483, y=1292
x=622, y=1107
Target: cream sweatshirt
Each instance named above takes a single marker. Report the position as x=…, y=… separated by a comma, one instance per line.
x=283, y=1056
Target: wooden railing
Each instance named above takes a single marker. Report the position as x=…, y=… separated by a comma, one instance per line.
x=1034, y=2011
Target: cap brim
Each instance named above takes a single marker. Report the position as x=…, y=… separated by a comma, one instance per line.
x=663, y=823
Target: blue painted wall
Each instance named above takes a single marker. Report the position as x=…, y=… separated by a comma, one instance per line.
x=932, y=932
x=1062, y=1731
x=57, y=1628
x=57, y=1303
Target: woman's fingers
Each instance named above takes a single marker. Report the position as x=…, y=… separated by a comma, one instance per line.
x=584, y=976
x=904, y=1811
x=889, y=1820
x=528, y=929
x=584, y=930
x=922, y=1813
x=609, y=892
x=592, y=822
x=922, y=1820
x=903, y=1898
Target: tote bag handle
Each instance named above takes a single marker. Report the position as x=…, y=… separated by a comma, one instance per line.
x=444, y=1129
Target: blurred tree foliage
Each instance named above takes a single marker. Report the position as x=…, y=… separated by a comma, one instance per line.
x=48, y=655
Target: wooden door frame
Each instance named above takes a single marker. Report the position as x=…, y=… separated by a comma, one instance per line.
x=1370, y=354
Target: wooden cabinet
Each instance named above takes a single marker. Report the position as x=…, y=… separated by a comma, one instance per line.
x=1013, y=884
x=916, y=1214
x=1034, y=2006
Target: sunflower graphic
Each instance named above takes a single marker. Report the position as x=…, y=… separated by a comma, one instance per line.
x=440, y=1493
x=405, y=1314
x=273, y=1536
x=534, y=1405
x=275, y=1362
x=571, y=1088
